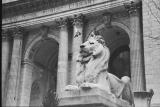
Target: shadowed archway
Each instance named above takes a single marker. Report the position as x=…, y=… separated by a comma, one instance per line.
x=44, y=55
x=117, y=40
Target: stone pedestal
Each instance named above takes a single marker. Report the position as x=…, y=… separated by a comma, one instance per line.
x=142, y=99
x=90, y=98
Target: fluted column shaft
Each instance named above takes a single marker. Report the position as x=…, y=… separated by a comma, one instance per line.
x=77, y=41
x=12, y=92
x=63, y=56
x=136, y=49
x=5, y=61
x=26, y=83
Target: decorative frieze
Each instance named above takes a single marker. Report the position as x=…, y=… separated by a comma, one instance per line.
x=33, y=6
x=47, y=16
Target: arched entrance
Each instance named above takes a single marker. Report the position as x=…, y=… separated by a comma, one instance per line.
x=44, y=56
x=117, y=39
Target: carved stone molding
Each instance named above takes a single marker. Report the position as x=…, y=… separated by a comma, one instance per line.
x=17, y=32
x=133, y=7
x=120, y=15
x=45, y=32
x=89, y=6
x=78, y=20
x=107, y=18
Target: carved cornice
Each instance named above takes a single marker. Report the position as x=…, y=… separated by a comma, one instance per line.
x=23, y=7
x=133, y=7
x=78, y=20
x=17, y=32
x=86, y=7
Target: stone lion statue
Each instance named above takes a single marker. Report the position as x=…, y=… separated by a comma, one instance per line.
x=92, y=69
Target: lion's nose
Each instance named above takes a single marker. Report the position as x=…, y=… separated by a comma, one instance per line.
x=81, y=46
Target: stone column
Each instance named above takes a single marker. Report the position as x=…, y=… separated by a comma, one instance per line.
x=12, y=91
x=63, y=56
x=5, y=61
x=141, y=97
x=136, y=48
x=25, y=83
x=77, y=41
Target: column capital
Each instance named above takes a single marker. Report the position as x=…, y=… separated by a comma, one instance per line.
x=5, y=34
x=62, y=22
x=133, y=7
x=17, y=32
x=78, y=19
x=27, y=61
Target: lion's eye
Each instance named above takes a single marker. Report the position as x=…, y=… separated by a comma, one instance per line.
x=91, y=42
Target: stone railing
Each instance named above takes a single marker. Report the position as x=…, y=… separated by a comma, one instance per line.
x=19, y=7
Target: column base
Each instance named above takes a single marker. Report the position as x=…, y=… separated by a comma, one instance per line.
x=90, y=98
x=143, y=99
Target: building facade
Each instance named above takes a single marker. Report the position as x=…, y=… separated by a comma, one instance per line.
x=41, y=39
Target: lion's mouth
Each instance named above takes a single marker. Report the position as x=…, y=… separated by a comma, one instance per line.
x=85, y=53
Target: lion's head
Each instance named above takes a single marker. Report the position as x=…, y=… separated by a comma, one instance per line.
x=93, y=46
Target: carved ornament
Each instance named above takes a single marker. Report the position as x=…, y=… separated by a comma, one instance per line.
x=45, y=32
x=78, y=20
x=77, y=34
x=62, y=22
x=120, y=15
x=5, y=34
x=17, y=32
x=107, y=18
x=133, y=7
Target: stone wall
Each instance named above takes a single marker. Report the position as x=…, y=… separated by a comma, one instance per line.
x=151, y=31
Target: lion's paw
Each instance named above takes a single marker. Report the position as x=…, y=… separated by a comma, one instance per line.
x=71, y=88
x=88, y=85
